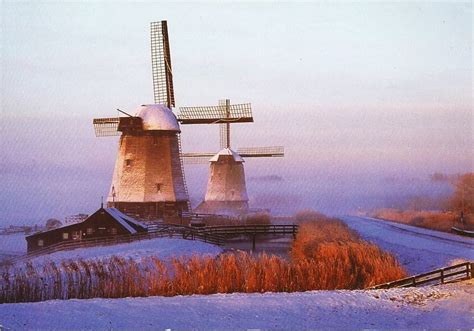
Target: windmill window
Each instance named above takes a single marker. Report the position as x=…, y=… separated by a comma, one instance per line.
x=65, y=235
x=128, y=162
x=40, y=242
x=158, y=187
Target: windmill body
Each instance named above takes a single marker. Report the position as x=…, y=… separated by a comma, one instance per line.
x=148, y=180
x=226, y=190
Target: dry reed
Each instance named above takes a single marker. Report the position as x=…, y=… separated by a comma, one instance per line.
x=325, y=255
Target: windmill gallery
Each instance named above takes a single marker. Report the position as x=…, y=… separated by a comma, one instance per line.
x=148, y=183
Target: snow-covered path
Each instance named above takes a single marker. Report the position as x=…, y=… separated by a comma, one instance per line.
x=417, y=249
x=444, y=307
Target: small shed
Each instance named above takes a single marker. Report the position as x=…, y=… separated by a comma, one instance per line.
x=105, y=222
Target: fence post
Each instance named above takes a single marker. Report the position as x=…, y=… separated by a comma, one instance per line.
x=442, y=276
x=414, y=281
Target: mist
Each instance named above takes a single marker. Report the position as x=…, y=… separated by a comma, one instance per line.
x=368, y=99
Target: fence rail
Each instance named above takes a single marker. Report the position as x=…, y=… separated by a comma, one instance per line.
x=159, y=232
x=450, y=274
x=252, y=229
x=213, y=234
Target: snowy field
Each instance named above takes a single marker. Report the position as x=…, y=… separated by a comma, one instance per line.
x=162, y=248
x=418, y=250
x=442, y=307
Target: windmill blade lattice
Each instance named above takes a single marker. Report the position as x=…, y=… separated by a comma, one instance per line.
x=216, y=114
x=268, y=151
x=161, y=64
x=196, y=158
x=106, y=127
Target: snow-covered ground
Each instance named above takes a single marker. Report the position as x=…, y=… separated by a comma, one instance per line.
x=162, y=248
x=443, y=307
x=418, y=250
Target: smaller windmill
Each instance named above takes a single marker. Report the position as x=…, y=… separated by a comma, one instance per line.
x=226, y=189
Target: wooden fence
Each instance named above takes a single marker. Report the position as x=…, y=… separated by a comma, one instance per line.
x=252, y=229
x=226, y=231
x=166, y=231
x=450, y=274
x=213, y=234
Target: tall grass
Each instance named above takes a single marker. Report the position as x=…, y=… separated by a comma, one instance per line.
x=434, y=220
x=325, y=255
x=117, y=277
x=344, y=258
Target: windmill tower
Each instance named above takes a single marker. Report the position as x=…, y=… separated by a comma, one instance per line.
x=226, y=188
x=148, y=180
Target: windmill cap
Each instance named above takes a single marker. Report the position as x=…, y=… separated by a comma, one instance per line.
x=157, y=117
x=227, y=152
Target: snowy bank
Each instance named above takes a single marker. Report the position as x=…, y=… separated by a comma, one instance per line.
x=418, y=250
x=162, y=248
x=443, y=307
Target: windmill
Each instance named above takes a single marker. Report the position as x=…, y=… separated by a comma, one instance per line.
x=226, y=189
x=148, y=180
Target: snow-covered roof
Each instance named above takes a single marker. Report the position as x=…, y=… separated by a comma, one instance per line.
x=123, y=219
x=157, y=117
x=227, y=152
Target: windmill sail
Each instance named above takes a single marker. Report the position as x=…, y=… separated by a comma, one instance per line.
x=105, y=127
x=216, y=114
x=245, y=152
x=161, y=65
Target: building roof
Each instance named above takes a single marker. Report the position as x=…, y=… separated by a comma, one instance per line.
x=157, y=117
x=123, y=219
x=227, y=152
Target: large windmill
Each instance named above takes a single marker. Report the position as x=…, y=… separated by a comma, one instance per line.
x=148, y=180
x=226, y=189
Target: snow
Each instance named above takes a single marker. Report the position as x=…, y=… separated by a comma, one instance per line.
x=418, y=250
x=123, y=219
x=227, y=152
x=443, y=307
x=157, y=117
x=162, y=248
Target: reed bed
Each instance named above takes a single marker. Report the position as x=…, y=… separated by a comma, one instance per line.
x=434, y=220
x=325, y=255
